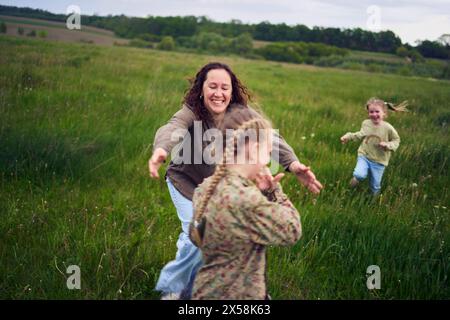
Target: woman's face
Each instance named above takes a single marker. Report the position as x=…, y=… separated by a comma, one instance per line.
x=217, y=90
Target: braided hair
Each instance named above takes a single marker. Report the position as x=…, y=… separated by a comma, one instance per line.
x=401, y=107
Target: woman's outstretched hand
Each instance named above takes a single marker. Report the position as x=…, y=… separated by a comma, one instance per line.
x=306, y=177
x=157, y=159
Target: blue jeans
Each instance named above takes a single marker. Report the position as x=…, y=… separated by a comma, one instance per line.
x=364, y=167
x=178, y=275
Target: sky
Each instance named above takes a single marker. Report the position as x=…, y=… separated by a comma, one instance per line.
x=411, y=20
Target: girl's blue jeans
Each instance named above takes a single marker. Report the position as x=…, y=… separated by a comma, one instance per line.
x=365, y=167
x=178, y=275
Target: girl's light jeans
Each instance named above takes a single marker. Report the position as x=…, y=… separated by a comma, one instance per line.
x=375, y=170
x=178, y=275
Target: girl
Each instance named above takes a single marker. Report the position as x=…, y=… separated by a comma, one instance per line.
x=379, y=140
x=238, y=212
x=214, y=93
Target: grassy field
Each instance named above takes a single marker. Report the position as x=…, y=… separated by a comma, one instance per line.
x=76, y=132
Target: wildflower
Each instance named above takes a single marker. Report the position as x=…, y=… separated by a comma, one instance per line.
x=303, y=138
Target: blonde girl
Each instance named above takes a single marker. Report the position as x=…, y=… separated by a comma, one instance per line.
x=379, y=140
x=238, y=211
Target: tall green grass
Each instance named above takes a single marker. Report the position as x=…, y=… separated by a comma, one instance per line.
x=76, y=132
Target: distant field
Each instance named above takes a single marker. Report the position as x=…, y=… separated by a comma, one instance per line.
x=378, y=56
x=259, y=44
x=76, y=133
x=58, y=31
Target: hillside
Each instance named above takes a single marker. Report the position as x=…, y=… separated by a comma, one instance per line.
x=58, y=31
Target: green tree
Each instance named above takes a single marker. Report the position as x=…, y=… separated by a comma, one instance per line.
x=446, y=72
x=242, y=44
x=262, y=31
x=416, y=56
x=402, y=52
x=211, y=41
x=20, y=31
x=167, y=43
x=281, y=52
x=2, y=27
x=42, y=34
x=433, y=49
x=139, y=43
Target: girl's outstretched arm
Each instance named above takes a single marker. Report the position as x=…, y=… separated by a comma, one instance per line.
x=353, y=136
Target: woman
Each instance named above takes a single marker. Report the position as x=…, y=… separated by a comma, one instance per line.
x=214, y=93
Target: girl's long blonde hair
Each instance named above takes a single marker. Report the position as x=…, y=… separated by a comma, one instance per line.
x=239, y=120
x=401, y=107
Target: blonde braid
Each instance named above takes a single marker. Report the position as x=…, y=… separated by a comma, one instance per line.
x=196, y=228
x=401, y=107
x=219, y=173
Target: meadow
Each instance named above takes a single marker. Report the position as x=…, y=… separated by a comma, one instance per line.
x=76, y=132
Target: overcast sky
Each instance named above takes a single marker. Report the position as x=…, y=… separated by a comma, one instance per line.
x=411, y=20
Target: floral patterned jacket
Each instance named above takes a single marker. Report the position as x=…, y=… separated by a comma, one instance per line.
x=240, y=223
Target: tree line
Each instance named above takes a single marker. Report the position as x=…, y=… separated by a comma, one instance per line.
x=155, y=28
